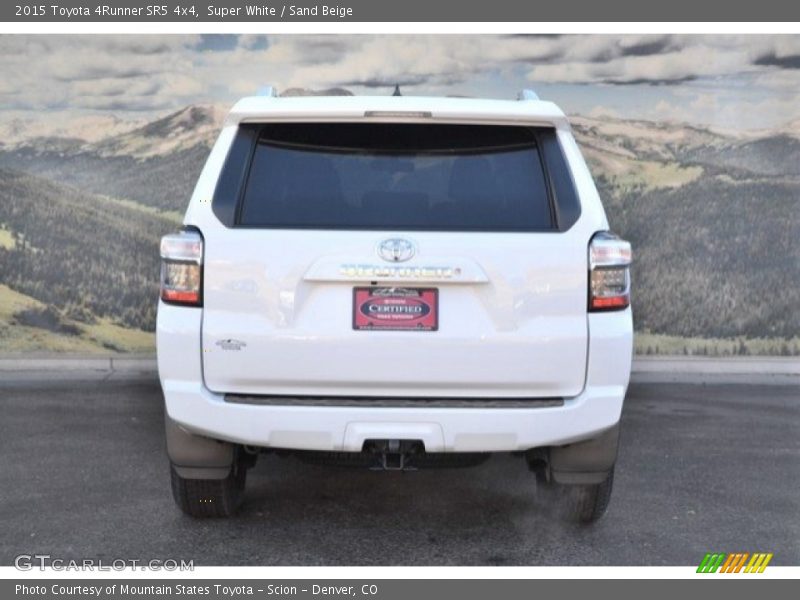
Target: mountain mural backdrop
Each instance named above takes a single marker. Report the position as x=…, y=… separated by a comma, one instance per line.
x=712, y=216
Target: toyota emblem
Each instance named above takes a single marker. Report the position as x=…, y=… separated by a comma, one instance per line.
x=396, y=250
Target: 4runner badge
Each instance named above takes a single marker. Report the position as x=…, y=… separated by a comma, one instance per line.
x=231, y=344
x=396, y=250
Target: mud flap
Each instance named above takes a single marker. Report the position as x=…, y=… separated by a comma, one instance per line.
x=587, y=462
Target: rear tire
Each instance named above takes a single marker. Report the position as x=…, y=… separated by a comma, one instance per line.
x=578, y=503
x=587, y=503
x=210, y=498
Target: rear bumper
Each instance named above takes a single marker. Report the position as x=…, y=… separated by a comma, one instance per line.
x=345, y=428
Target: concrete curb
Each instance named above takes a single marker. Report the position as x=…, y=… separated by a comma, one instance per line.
x=53, y=368
x=759, y=370
x=646, y=369
x=783, y=365
x=80, y=363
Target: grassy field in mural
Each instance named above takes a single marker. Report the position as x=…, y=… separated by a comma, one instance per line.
x=26, y=327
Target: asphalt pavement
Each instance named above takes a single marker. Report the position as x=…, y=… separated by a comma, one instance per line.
x=83, y=474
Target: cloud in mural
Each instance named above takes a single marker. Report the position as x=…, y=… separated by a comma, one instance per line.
x=584, y=73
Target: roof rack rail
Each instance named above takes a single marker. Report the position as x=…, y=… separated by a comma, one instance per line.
x=527, y=94
x=267, y=90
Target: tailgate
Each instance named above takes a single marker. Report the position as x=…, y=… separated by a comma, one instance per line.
x=511, y=316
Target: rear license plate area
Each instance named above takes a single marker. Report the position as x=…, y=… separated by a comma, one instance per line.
x=395, y=309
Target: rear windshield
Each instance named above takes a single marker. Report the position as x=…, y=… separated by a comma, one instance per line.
x=397, y=176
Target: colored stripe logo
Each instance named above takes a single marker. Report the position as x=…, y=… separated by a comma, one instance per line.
x=737, y=562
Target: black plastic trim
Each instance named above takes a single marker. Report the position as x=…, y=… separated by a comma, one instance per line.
x=557, y=170
x=392, y=402
x=230, y=186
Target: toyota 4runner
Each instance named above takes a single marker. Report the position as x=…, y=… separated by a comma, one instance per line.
x=394, y=283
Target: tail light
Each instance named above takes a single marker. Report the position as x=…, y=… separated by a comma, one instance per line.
x=609, y=272
x=182, y=268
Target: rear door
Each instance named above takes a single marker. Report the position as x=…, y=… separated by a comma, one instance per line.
x=396, y=260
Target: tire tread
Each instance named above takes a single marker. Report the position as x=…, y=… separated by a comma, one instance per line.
x=208, y=498
x=587, y=503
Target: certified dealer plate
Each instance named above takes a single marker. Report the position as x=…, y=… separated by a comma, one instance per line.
x=396, y=308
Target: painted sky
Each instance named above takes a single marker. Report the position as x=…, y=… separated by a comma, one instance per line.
x=732, y=82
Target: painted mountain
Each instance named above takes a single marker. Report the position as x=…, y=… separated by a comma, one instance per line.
x=712, y=215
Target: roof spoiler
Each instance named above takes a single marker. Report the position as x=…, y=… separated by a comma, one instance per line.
x=272, y=92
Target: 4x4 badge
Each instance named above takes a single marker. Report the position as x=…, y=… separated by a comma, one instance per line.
x=231, y=344
x=396, y=249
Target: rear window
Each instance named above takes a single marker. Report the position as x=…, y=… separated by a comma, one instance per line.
x=396, y=176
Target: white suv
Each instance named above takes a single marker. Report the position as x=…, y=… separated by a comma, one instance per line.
x=394, y=282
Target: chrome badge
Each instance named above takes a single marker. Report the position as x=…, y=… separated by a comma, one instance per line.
x=396, y=250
